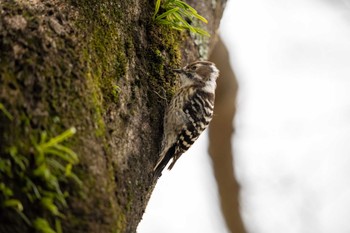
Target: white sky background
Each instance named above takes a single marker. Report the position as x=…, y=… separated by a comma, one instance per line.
x=292, y=145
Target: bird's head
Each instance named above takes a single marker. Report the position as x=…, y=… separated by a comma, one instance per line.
x=200, y=72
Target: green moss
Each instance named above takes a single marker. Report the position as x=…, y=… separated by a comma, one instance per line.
x=105, y=54
x=5, y=112
x=96, y=99
x=121, y=223
x=165, y=55
x=79, y=84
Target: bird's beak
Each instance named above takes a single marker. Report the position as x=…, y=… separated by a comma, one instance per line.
x=179, y=71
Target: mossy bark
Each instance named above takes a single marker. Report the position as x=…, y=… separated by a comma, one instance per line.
x=103, y=67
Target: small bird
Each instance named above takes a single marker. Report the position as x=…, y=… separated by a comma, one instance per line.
x=189, y=112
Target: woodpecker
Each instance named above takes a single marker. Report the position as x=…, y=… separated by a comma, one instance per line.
x=189, y=112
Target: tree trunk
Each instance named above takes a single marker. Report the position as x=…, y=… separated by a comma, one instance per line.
x=103, y=67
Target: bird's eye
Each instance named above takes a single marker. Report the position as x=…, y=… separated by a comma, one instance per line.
x=194, y=68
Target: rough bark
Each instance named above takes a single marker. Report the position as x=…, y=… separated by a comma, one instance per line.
x=101, y=66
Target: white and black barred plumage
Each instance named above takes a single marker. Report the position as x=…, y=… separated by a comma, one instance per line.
x=189, y=112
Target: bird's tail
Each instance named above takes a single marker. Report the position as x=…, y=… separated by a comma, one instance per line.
x=163, y=161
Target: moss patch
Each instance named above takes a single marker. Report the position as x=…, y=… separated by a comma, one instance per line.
x=103, y=67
